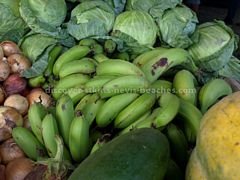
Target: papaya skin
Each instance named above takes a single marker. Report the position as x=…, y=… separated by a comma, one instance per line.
x=217, y=152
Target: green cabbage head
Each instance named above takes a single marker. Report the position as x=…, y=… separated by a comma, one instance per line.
x=91, y=18
x=136, y=29
x=176, y=26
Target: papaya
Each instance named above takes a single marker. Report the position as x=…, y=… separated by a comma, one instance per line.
x=142, y=154
x=217, y=152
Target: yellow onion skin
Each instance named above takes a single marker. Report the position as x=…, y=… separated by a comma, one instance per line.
x=4, y=70
x=37, y=95
x=2, y=95
x=18, y=63
x=18, y=102
x=9, y=151
x=10, y=48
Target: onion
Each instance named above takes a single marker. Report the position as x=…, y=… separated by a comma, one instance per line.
x=2, y=172
x=18, y=102
x=4, y=70
x=9, y=151
x=38, y=95
x=1, y=53
x=2, y=95
x=9, y=118
x=18, y=63
x=14, y=84
x=9, y=48
x=18, y=169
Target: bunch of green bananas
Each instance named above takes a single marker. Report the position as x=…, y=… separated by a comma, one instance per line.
x=97, y=94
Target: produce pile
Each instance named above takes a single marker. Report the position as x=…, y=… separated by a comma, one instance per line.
x=84, y=83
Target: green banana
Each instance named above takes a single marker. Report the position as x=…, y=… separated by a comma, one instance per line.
x=49, y=130
x=100, y=142
x=28, y=143
x=97, y=49
x=124, y=84
x=160, y=87
x=76, y=93
x=74, y=53
x=92, y=107
x=122, y=55
x=36, y=81
x=87, y=42
x=67, y=83
x=118, y=67
x=155, y=67
x=184, y=84
x=112, y=107
x=36, y=113
x=147, y=56
x=82, y=102
x=100, y=57
x=109, y=46
x=134, y=110
x=191, y=117
x=212, y=91
x=78, y=66
x=95, y=84
x=178, y=144
x=134, y=125
x=65, y=115
x=79, y=140
x=169, y=106
x=53, y=55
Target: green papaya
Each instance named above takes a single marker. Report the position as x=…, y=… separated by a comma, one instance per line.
x=141, y=154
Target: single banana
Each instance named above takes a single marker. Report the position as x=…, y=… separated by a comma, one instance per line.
x=87, y=42
x=178, y=144
x=118, y=67
x=134, y=110
x=78, y=66
x=79, y=140
x=76, y=93
x=147, y=56
x=191, y=117
x=65, y=115
x=74, y=53
x=67, y=83
x=96, y=49
x=36, y=113
x=109, y=46
x=49, y=131
x=82, y=102
x=36, y=81
x=95, y=84
x=212, y=91
x=124, y=84
x=160, y=87
x=100, y=57
x=91, y=108
x=184, y=84
x=122, y=55
x=100, y=142
x=28, y=143
x=169, y=107
x=134, y=125
x=112, y=107
x=155, y=67
x=53, y=55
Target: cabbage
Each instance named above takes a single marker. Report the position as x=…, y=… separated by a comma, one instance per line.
x=154, y=7
x=136, y=29
x=215, y=43
x=91, y=18
x=12, y=26
x=45, y=16
x=176, y=26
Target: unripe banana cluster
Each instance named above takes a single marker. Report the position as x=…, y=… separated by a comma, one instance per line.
x=96, y=93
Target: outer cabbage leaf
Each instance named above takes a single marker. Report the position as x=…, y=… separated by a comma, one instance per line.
x=91, y=18
x=154, y=7
x=12, y=26
x=176, y=26
x=136, y=29
x=215, y=43
x=45, y=16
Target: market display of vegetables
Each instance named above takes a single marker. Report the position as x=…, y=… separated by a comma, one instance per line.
x=126, y=89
